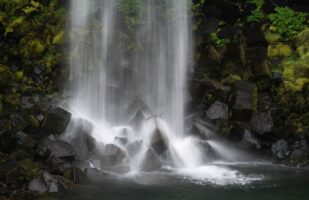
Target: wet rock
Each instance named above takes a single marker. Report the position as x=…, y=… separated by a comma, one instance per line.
x=75, y=175
x=138, y=111
x=95, y=175
x=280, y=148
x=158, y=142
x=56, y=121
x=151, y=162
x=244, y=100
x=297, y=155
x=49, y=183
x=8, y=171
x=261, y=123
x=211, y=23
x=277, y=78
x=134, y=147
x=218, y=110
x=38, y=185
x=61, y=149
x=79, y=136
x=112, y=155
x=250, y=141
x=121, y=140
x=19, y=122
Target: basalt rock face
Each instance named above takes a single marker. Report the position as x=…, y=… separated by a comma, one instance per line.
x=250, y=80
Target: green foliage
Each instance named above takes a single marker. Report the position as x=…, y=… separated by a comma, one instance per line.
x=287, y=22
x=219, y=42
x=256, y=15
x=197, y=12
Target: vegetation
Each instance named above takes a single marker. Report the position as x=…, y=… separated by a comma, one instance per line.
x=287, y=22
x=256, y=15
x=219, y=42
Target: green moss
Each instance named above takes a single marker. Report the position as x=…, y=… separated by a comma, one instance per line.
x=5, y=75
x=59, y=38
x=279, y=50
x=272, y=37
x=29, y=169
x=19, y=75
x=231, y=79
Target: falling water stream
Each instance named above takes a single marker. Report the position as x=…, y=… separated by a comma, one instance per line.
x=128, y=80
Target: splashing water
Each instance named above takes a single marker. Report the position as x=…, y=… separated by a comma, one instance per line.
x=129, y=68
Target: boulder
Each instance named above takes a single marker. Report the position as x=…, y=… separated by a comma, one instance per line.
x=261, y=123
x=218, y=110
x=61, y=149
x=151, y=161
x=250, y=141
x=244, y=100
x=112, y=155
x=46, y=182
x=158, y=142
x=79, y=136
x=280, y=148
x=56, y=121
x=121, y=140
x=134, y=147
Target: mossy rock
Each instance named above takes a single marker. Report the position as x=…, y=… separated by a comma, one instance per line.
x=28, y=169
x=279, y=50
x=6, y=75
x=303, y=38
x=59, y=38
x=272, y=38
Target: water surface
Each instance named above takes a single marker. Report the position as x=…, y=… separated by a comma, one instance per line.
x=255, y=181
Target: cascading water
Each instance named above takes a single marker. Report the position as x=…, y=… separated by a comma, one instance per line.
x=129, y=62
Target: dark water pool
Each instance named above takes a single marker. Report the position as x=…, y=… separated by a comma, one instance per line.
x=256, y=182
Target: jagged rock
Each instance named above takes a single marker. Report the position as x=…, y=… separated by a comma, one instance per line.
x=277, y=78
x=75, y=175
x=61, y=149
x=49, y=183
x=151, y=162
x=218, y=110
x=244, y=98
x=79, y=136
x=37, y=185
x=297, y=155
x=134, y=147
x=249, y=141
x=56, y=121
x=121, y=140
x=138, y=111
x=280, y=148
x=112, y=155
x=158, y=142
x=19, y=122
x=261, y=123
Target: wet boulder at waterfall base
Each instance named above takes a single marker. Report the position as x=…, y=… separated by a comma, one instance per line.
x=112, y=155
x=158, y=143
x=151, y=161
x=56, y=121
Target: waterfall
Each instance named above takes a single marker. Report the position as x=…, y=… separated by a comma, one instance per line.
x=129, y=65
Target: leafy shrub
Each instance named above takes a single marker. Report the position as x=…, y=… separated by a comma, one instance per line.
x=256, y=15
x=219, y=42
x=287, y=22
